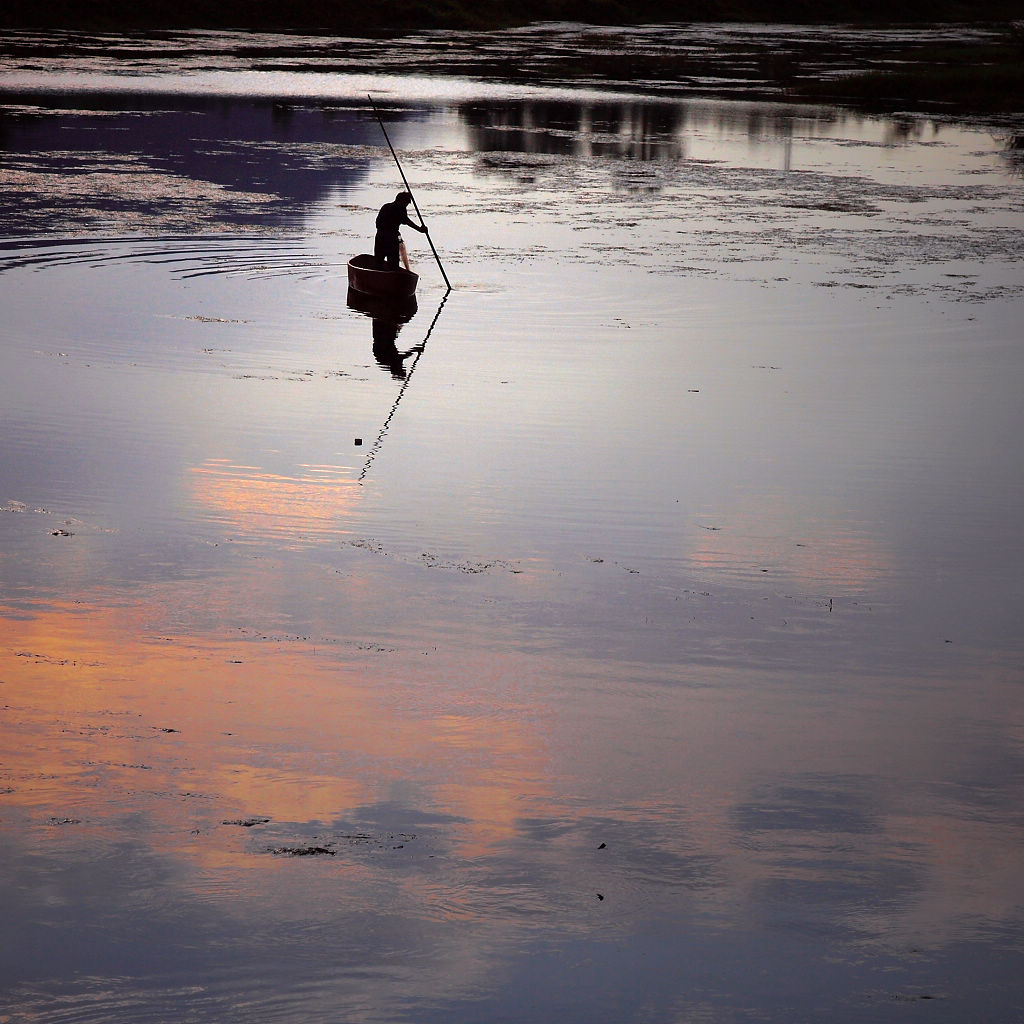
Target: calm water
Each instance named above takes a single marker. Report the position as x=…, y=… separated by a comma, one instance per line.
x=646, y=648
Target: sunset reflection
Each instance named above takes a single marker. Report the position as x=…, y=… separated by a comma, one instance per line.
x=188, y=733
x=251, y=502
x=823, y=551
x=474, y=787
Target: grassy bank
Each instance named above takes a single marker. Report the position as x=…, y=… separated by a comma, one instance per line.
x=972, y=77
x=399, y=16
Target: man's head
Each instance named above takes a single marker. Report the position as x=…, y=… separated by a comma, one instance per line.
x=405, y=198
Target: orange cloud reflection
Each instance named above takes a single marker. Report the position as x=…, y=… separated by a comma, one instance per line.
x=829, y=552
x=106, y=718
x=212, y=748
x=250, y=501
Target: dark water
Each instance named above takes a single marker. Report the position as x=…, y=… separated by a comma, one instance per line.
x=646, y=648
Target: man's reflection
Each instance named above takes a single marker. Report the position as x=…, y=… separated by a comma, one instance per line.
x=388, y=316
x=385, y=351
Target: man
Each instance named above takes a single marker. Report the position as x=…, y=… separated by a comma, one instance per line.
x=391, y=217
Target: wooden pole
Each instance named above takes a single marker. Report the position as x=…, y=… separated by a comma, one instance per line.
x=401, y=391
x=405, y=181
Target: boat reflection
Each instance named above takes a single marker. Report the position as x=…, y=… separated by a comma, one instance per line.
x=389, y=316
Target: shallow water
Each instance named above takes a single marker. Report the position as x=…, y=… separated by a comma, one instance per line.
x=646, y=648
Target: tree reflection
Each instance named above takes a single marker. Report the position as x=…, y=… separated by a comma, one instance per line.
x=638, y=131
x=1013, y=152
x=661, y=132
x=630, y=129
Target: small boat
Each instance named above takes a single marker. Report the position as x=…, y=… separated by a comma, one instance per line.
x=363, y=276
x=383, y=307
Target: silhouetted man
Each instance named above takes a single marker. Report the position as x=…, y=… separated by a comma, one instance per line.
x=391, y=217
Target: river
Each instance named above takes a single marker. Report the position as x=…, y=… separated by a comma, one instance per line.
x=630, y=633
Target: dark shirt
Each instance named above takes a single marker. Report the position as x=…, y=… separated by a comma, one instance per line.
x=391, y=217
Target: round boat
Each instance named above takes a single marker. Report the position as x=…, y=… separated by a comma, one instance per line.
x=363, y=276
x=383, y=307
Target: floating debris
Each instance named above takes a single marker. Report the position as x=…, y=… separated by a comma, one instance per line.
x=469, y=567
x=300, y=851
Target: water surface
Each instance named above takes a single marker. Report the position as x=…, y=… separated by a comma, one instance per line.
x=646, y=648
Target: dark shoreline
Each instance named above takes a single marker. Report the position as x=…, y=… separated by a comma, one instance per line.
x=970, y=78
x=396, y=17
x=975, y=68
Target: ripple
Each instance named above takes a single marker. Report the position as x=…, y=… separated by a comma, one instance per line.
x=185, y=257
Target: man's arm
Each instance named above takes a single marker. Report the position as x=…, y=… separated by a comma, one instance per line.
x=418, y=227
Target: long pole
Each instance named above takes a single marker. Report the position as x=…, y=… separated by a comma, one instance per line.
x=401, y=391
x=405, y=181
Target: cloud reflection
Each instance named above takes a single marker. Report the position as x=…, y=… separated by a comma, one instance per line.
x=250, y=503
x=472, y=807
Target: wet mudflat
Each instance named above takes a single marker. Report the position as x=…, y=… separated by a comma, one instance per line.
x=647, y=648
